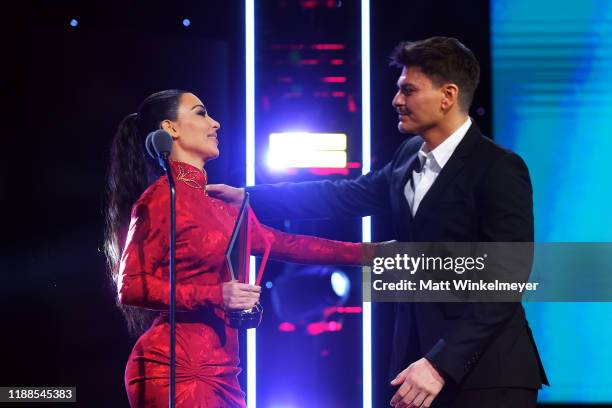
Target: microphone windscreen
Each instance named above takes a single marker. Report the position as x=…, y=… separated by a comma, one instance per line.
x=149, y=145
x=162, y=142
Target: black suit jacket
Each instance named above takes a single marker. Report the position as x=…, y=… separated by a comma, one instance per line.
x=483, y=193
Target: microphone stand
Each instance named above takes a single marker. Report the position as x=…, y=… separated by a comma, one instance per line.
x=165, y=164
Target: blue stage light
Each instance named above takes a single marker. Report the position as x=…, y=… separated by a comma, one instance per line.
x=366, y=222
x=549, y=88
x=74, y=22
x=186, y=22
x=249, y=31
x=340, y=283
x=302, y=295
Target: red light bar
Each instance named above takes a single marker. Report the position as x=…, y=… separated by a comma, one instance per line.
x=327, y=47
x=334, y=79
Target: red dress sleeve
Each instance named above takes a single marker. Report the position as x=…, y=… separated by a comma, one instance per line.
x=143, y=271
x=305, y=249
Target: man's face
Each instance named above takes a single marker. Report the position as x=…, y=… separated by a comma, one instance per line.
x=418, y=102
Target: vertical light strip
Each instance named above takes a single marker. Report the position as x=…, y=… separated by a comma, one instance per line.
x=366, y=227
x=250, y=91
x=250, y=178
x=252, y=351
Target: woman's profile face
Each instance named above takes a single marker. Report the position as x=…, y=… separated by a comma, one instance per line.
x=194, y=132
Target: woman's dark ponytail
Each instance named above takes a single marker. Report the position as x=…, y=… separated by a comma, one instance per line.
x=130, y=172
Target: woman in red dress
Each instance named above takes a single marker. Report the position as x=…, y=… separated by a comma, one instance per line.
x=206, y=347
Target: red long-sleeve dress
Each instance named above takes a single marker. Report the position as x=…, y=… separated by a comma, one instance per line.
x=206, y=347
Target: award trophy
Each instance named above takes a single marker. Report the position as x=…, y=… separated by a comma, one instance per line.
x=238, y=255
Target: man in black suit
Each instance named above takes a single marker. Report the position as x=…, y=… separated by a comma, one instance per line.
x=448, y=183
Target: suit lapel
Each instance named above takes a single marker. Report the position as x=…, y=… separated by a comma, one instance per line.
x=450, y=170
x=403, y=224
x=411, y=164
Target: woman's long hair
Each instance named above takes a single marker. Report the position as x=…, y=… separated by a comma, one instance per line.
x=131, y=171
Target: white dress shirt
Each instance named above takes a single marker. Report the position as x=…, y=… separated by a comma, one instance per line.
x=432, y=163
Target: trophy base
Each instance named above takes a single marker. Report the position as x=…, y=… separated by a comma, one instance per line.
x=246, y=319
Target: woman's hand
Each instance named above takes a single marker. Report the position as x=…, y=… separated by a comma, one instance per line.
x=231, y=195
x=240, y=296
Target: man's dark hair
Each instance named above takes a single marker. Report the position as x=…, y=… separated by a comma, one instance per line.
x=443, y=60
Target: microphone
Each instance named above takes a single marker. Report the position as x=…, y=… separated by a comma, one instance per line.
x=159, y=145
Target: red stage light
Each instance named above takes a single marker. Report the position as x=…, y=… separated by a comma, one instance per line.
x=334, y=79
x=328, y=171
x=351, y=105
x=316, y=328
x=309, y=4
x=327, y=47
x=286, y=327
x=312, y=61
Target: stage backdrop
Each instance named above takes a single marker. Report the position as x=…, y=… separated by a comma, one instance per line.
x=552, y=70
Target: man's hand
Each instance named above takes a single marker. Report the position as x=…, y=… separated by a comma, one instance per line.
x=419, y=384
x=240, y=296
x=229, y=194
